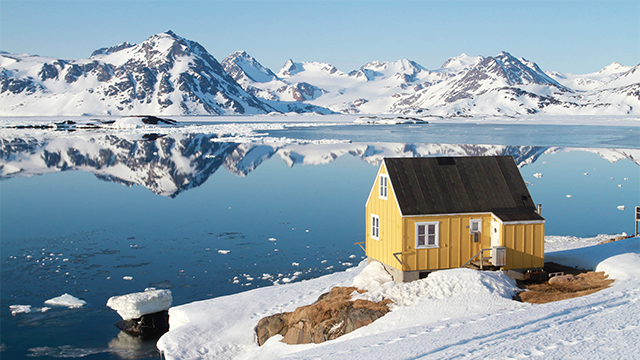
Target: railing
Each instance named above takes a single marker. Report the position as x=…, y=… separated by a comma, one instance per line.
x=482, y=258
x=360, y=244
x=395, y=255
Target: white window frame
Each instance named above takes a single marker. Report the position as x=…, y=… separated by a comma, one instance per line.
x=375, y=227
x=475, y=221
x=383, y=187
x=436, y=234
x=475, y=235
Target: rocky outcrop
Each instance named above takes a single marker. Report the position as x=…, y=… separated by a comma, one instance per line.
x=149, y=326
x=331, y=316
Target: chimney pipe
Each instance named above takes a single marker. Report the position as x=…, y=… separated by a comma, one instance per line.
x=539, y=209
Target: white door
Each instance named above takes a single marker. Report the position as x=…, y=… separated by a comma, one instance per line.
x=495, y=233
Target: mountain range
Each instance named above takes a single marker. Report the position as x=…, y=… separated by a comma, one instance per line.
x=169, y=75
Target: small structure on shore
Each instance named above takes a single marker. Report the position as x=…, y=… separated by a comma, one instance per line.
x=426, y=214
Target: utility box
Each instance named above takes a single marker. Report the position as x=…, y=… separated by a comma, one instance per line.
x=499, y=256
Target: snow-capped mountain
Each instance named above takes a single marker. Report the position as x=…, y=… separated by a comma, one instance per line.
x=264, y=84
x=165, y=74
x=463, y=86
x=169, y=75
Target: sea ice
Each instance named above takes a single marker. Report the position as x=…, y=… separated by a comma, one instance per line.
x=224, y=251
x=133, y=306
x=20, y=309
x=537, y=175
x=621, y=207
x=70, y=301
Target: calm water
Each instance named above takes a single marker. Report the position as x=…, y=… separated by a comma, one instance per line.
x=79, y=212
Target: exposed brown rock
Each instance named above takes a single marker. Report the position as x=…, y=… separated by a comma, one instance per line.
x=564, y=287
x=331, y=316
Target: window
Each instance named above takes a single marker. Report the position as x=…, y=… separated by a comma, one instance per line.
x=384, y=186
x=475, y=229
x=427, y=235
x=375, y=227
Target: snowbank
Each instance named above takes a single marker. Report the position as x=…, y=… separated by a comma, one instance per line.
x=133, y=306
x=451, y=313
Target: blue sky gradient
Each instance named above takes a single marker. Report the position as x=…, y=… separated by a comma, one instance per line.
x=567, y=36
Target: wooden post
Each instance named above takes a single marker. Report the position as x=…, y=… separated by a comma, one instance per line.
x=637, y=218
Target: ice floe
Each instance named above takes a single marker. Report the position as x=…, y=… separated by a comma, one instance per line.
x=133, y=306
x=67, y=300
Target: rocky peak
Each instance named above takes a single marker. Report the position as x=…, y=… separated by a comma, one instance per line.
x=289, y=68
x=112, y=49
x=240, y=65
x=514, y=72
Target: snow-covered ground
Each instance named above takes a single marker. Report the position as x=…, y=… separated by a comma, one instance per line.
x=450, y=314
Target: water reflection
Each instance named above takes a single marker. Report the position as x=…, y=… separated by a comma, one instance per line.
x=172, y=163
x=123, y=347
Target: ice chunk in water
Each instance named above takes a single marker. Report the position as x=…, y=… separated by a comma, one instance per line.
x=133, y=306
x=66, y=300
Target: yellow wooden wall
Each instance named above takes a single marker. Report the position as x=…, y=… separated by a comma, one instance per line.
x=390, y=225
x=525, y=245
x=456, y=244
x=524, y=242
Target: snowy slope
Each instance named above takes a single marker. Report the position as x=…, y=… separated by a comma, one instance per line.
x=165, y=74
x=452, y=313
x=463, y=86
x=169, y=75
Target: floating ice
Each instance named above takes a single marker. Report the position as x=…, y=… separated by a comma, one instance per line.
x=569, y=196
x=133, y=306
x=20, y=309
x=127, y=278
x=537, y=175
x=352, y=256
x=67, y=300
x=295, y=264
x=272, y=239
x=586, y=174
x=619, y=185
x=224, y=251
x=621, y=207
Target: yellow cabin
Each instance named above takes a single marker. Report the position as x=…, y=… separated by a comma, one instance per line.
x=426, y=214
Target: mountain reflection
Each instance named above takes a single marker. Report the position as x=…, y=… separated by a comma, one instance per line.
x=170, y=164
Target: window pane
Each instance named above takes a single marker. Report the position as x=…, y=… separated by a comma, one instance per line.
x=432, y=239
x=420, y=240
x=420, y=229
x=432, y=229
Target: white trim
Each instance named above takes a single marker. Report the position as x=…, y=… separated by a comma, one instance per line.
x=374, y=231
x=384, y=196
x=478, y=221
x=452, y=214
x=436, y=233
x=373, y=186
x=473, y=214
x=521, y=222
x=393, y=190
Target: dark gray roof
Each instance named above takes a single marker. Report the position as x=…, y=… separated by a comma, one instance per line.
x=453, y=185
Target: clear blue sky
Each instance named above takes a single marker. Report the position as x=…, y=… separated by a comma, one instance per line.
x=566, y=36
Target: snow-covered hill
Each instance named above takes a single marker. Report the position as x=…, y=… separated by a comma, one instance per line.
x=463, y=86
x=169, y=75
x=456, y=313
x=166, y=74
